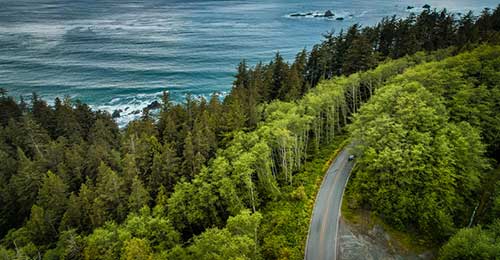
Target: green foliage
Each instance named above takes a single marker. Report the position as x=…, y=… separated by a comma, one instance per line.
x=105, y=243
x=69, y=246
x=156, y=229
x=473, y=243
x=137, y=248
x=6, y=254
x=139, y=196
x=237, y=241
x=216, y=244
x=39, y=227
x=52, y=196
x=25, y=183
x=75, y=186
x=165, y=168
x=109, y=203
x=421, y=166
x=286, y=221
x=245, y=224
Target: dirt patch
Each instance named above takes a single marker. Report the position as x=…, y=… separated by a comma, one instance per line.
x=365, y=241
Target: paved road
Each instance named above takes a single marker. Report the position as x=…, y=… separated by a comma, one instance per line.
x=322, y=239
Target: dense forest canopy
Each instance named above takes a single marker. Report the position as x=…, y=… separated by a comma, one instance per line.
x=428, y=152
x=413, y=141
x=228, y=179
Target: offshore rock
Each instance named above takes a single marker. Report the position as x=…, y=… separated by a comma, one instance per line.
x=329, y=14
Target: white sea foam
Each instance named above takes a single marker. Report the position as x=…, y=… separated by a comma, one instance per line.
x=109, y=51
x=363, y=13
x=129, y=110
x=41, y=35
x=320, y=14
x=131, y=106
x=115, y=100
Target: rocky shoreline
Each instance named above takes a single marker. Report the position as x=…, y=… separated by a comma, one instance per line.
x=153, y=106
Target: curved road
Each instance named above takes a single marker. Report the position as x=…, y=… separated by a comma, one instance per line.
x=322, y=237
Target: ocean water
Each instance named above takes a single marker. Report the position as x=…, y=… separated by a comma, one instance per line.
x=119, y=54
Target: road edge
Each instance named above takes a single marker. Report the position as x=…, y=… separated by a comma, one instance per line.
x=340, y=213
x=341, y=147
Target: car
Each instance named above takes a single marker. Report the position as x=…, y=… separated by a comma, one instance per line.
x=351, y=157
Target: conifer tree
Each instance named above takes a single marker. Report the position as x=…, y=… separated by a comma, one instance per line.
x=139, y=196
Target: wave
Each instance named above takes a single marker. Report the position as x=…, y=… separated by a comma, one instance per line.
x=109, y=70
x=131, y=107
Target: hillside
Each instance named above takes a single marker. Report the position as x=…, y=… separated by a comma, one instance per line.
x=427, y=145
x=236, y=178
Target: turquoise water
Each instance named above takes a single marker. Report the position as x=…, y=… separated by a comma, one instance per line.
x=116, y=54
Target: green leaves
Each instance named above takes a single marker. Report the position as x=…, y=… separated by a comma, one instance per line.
x=473, y=243
x=137, y=237
x=206, y=164
x=237, y=241
x=417, y=166
x=139, y=196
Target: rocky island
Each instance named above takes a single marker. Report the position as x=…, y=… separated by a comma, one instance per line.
x=329, y=14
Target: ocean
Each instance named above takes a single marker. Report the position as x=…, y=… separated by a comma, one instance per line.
x=118, y=54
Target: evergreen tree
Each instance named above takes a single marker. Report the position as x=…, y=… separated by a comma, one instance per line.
x=43, y=114
x=189, y=156
x=467, y=33
x=9, y=109
x=52, y=197
x=139, y=196
x=72, y=218
x=242, y=76
x=25, y=184
x=109, y=202
x=165, y=169
x=278, y=86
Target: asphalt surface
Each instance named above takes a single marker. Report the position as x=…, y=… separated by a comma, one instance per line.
x=322, y=238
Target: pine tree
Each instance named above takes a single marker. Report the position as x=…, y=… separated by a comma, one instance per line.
x=300, y=67
x=26, y=183
x=278, y=80
x=467, y=32
x=242, y=76
x=189, y=156
x=359, y=56
x=9, y=109
x=43, y=114
x=165, y=169
x=40, y=230
x=109, y=202
x=52, y=197
x=66, y=123
x=294, y=85
x=387, y=34
x=72, y=218
x=234, y=114
x=139, y=196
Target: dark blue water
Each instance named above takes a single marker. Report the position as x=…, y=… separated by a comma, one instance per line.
x=122, y=54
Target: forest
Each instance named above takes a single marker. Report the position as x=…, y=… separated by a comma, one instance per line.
x=234, y=178
x=428, y=153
